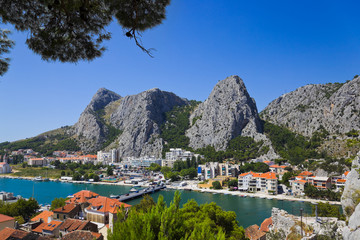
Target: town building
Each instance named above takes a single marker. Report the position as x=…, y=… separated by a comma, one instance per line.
x=141, y=162
x=37, y=162
x=83, y=235
x=5, y=168
x=44, y=216
x=258, y=182
x=110, y=157
x=15, y=234
x=71, y=225
x=50, y=229
x=70, y=210
x=6, y=221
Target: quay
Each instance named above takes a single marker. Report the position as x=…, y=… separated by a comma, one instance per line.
x=139, y=193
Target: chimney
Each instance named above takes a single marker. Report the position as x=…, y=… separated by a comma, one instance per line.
x=49, y=219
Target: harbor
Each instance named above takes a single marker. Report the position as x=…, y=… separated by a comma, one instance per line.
x=138, y=193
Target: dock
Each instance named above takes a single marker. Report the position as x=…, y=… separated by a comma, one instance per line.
x=141, y=192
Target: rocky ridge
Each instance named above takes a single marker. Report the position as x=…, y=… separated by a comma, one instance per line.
x=228, y=112
x=335, y=106
x=139, y=117
x=90, y=130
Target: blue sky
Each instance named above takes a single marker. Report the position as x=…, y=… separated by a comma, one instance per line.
x=274, y=46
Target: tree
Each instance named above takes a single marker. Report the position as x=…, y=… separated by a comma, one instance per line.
x=216, y=185
x=190, y=173
x=24, y=208
x=74, y=30
x=109, y=171
x=5, y=45
x=207, y=221
x=233, y=183
x=155, y=167
x=57, y=203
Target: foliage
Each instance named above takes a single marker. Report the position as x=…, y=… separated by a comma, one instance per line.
x=216, y=185
x=57, y=203
x=165, y=170
x=207, y=221
x=328, y=210
x=327, y=194
x=292, y=146
x=255, y=167
x=44, y=144
x=145, y=205
x=240, y=148
x=24, y=208
x=70, y=31
x=353, y=133
x=173, y=176
x=331, y=88
x=233, y=183
x=189, y=173
x=177, y=122
x=109, y=171
x=5, y=45
x=155, y=167
x=286, y=177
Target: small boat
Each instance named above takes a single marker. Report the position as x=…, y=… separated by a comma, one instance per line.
x=114, y=196
x=133, y=190
x=38, y=179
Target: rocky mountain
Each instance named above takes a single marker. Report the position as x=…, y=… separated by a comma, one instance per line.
x=91, y=130
x=228, y=112
x=139, y=118
x=334, y=106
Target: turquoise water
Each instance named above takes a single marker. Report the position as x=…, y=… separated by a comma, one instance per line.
x=248, y=210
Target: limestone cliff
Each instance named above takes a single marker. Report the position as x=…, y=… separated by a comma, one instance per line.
x=139, y=118
x=229, y=111
x=335, y=106
x=90, y=129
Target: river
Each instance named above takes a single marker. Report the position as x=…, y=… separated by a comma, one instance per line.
x=248, y=210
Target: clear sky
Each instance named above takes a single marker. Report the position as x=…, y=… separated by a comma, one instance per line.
x=274, y=46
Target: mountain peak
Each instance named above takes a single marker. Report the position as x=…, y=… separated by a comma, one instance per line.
x=102, y=98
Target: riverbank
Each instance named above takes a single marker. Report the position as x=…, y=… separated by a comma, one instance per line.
x=192, y=185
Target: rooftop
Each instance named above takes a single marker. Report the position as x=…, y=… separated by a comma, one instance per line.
x=5, y=218
x=105, y=204
x=66, y=209
x=44, y=216
x=83, y=235
x=82, y=196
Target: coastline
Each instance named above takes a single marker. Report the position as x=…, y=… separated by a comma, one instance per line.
x=193, y=187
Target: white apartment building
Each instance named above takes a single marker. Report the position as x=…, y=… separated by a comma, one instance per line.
x=213, y=169
x=112, y=156
x=5, y=168
x=141, y=162
x=258, y=182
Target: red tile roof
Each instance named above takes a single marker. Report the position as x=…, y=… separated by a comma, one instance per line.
x=253, y=232
x=66, y=209
x=105, y=204
x=341, y=180
x=306, y=173
x=83, y=235
x=44, y=216
x=5, y=218
x=48, y=226
x=300, y=181
x=6, y=233
x=82, y=196
x=71, y=225
x=346, y=173
x=265, y=224
x=267, y=175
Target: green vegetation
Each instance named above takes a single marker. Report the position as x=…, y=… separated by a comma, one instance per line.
x=292, y=146
x=154, y=167
x=255, y=167
x=44, y=144
x=177, y=122
x=216, y=185
x=240, y=149
x=331, y=88
x=327, y=194
x=328, y=210
x=353, y=133
x=302, y=108
x=23, y=208
x=150, y=221
x=57, y=203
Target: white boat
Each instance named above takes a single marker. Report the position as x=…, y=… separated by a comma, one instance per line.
x=133, y=190
x=38, y=179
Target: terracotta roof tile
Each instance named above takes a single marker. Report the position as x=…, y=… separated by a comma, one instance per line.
x=306, y=173
x=83, y=235
x=6, y=233
x=105, y=204
x=66, y=209
x=265, y=224
x=253, y=232
x=341, y=180
x=5, y=218
x=82, y=196
x=47, y=226
x=73, y=224
x=44, y=216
